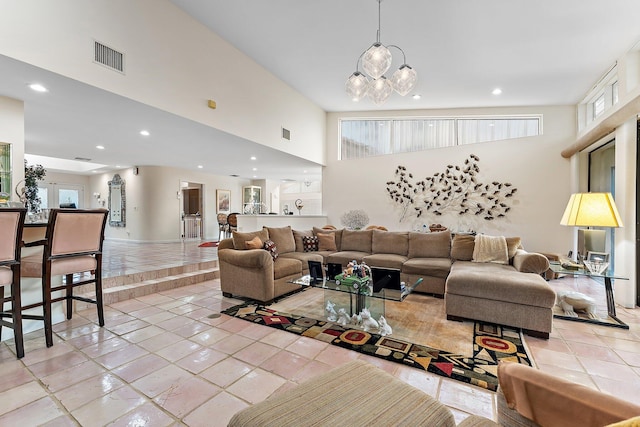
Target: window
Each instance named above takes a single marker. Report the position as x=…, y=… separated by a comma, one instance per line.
x=360, y=138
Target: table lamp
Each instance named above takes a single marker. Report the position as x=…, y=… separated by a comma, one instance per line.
x=591, y=210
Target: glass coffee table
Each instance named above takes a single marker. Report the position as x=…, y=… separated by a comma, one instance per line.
x=608, y=275
x=345, y=300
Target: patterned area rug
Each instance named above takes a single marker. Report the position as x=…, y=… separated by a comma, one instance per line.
x=491, y=343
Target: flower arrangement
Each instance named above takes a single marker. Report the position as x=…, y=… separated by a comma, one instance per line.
x=355, y=219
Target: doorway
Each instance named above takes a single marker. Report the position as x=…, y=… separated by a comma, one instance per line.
x=61, y=195
x=191, y=212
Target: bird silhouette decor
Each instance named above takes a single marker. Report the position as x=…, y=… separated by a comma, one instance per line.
x=457, y=189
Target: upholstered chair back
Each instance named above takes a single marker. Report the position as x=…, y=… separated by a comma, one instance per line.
x=11, y=222
x=76, y=231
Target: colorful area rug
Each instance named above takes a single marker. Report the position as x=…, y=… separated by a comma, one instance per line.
x=208, y=245
x=492, y=343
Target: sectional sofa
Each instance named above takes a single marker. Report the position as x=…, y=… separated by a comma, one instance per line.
x=512, y=294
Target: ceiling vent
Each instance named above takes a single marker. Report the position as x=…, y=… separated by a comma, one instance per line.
x=108, y=57
x=286, y=134
x=82, y=159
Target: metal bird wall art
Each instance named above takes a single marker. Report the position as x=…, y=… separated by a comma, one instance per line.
x=457, y=189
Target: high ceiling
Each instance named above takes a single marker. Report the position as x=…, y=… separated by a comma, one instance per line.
x=543, y=52
x=539, y=53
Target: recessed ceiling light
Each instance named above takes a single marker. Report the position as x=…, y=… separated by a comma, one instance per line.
x=254, y=169
x=496, y=91
x=38, y=87
x=253, y=157
x=100, y=147
x=144, y=133
x=417, y=96
x=255, y=176
x=200, y=166
x=305, y=171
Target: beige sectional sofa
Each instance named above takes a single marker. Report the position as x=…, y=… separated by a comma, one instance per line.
x=512, y=294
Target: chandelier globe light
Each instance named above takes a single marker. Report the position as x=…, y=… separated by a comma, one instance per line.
x=376, y=61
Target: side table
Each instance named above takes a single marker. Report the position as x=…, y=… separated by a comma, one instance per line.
x=608, y=286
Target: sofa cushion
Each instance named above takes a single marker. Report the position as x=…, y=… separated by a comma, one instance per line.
x=434, y=267
x=297, y=237
x=239, y=238
x=344, y=257
x=490, y=249
x=359, y=241
x=430, y=245
x=326, y=241
x=271, y=247
x=462, y=247
x=499, y=282
x=283, y=267
x=385, y=260
x=304, y=257
x=310, y=243
x=513, y=244
x=283, y=238
x=254, y=243
x=385, y=242
x=337, y=234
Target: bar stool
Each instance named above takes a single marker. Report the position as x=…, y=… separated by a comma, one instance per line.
x=222, y=225
x=11, y=226
x=232, y=223
x=73, y=245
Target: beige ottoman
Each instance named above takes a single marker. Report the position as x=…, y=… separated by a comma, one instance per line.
x=355, y=394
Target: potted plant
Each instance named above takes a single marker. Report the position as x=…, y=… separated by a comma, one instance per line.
x=29, y=196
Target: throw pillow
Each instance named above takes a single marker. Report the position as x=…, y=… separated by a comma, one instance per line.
x=513, y=243
x=254, y=243
x=490, y=249
x=310, y=243
x=297, y=236
x=462, y=247
x=270, y=247
x=239, y=238
x=326, y=241
x=283, y=238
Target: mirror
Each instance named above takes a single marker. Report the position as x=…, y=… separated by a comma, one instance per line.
x=117, y=205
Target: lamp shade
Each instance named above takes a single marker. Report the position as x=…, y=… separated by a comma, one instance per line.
x=591, y=210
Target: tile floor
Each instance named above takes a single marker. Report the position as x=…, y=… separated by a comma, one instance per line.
x=162, y=360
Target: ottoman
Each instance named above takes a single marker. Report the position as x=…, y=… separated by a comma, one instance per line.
x=354, y=394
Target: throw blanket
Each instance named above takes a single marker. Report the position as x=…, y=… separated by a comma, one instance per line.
x=490, y=249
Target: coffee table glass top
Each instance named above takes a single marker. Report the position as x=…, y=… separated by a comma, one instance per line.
x=557, y=268
x=387, y=294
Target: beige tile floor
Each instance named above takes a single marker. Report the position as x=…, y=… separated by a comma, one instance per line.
x=161, y=360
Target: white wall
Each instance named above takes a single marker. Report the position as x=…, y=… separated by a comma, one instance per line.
x=533, y=165
x=172, y=62
x=152, y=204
x=12, y=131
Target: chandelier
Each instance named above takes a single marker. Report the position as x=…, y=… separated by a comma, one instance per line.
x=375, y=62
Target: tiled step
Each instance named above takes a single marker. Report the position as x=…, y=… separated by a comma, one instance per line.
x=121, y=288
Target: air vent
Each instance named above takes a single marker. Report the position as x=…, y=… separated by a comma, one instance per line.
x=82, y=159
x=108, y=57
x=286, y=134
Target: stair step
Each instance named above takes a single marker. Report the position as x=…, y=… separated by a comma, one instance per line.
x=116, y=293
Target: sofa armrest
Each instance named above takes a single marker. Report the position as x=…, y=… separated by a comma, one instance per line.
x=250, y=258
x=551, y=401
x=530, y=262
